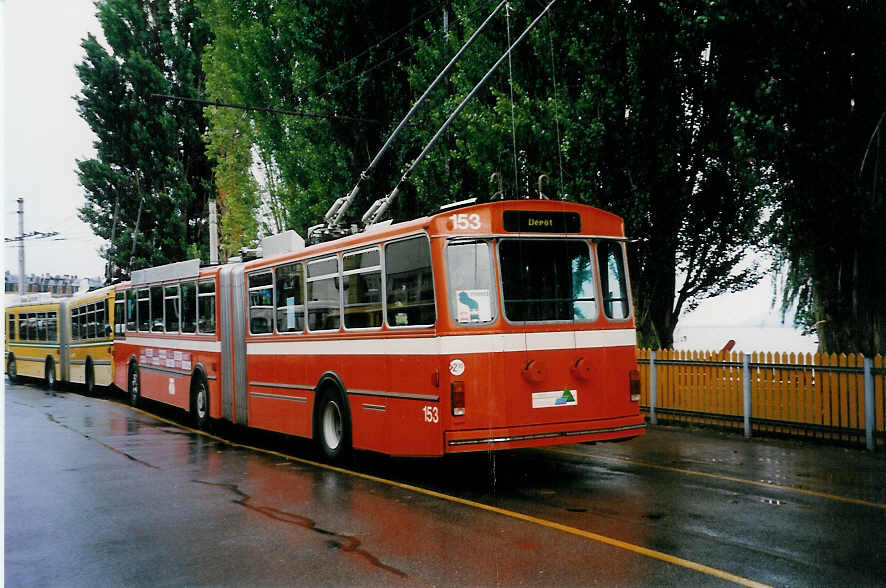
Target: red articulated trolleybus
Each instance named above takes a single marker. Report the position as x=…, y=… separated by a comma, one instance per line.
x=493, y=326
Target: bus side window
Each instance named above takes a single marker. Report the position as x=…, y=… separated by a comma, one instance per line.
x=81, y=320
x=171, y=306
x=52, y=326
x=290, y=298
x=32, y=326
x=10, y=330
x=409, y=283
x=361, y=285
x=131, y=310
x=144, y=310
x=75, y=326
x=91, y=322
x=119, y=314
x=101, y=319
x=189, y=307
x=41, y=326
x=157, y=309
x=613, y=282
x=323, y=295
x=206, y=307
x=261, y=303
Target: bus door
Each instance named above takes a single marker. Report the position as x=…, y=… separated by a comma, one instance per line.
x=549, y=300
x=232, y=328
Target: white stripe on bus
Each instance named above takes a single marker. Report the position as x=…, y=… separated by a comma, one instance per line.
x=449, y=345
x=182, y=344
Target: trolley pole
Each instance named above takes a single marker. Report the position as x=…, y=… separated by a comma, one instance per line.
x=21, y=245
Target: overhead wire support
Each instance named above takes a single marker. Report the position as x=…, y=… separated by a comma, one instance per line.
x=301, y=113
x=32, y=235
x=380, y=206
x=337, y=211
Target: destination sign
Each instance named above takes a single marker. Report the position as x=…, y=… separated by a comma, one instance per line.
x=530, y=221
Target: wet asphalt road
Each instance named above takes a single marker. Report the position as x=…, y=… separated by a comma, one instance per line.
x=97, y=494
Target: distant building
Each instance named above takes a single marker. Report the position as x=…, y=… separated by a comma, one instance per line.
x=65, y=285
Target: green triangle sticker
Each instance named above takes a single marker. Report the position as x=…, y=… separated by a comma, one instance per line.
x=567, y=395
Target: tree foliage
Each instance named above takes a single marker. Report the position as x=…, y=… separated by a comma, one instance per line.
x=824, y=89
x=150, y=161
x=713, y=128
x=321, y=58
x=626, y=106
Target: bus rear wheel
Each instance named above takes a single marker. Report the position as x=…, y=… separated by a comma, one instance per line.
x=12, y=370
x=90, y=378
x=199, y=403
x=333, y=426
x=49, y=375
x=134, y=389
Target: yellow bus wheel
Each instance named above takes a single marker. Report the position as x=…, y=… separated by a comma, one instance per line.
x=11, y=370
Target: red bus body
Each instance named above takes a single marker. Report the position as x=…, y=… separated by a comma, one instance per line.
x=481, y=365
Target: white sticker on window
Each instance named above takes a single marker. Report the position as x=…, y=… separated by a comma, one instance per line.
x=473, y=306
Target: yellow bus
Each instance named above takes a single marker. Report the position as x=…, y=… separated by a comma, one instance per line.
x=90, y=342
x=34, y=339
x=67, y=340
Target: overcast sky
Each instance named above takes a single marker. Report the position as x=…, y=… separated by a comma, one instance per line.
x=43, y=135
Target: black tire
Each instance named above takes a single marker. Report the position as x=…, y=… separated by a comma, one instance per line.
x=333, y=425
x=199, y=403
x=50, y=382
x=89, y=379
x=133, y=386
x=12, y=369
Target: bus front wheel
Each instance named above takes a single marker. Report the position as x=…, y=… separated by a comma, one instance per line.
x=90, y=378
x=49, y=374
x=200, y=403
x=12, y=370
x=333, y=426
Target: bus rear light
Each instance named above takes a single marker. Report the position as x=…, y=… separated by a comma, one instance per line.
x=635, y=386
x=457, y=389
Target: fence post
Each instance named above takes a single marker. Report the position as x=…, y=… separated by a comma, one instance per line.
x=868, y=403
x=746, y=379
x=653, y=388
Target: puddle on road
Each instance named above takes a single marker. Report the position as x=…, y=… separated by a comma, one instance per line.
x=54, y=420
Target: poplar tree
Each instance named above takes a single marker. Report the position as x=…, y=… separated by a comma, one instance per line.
x=625, y=106
x=150, y=180
x=339, y=63
x=822, y=88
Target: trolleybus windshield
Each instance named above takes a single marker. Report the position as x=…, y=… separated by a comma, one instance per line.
x=547, y=280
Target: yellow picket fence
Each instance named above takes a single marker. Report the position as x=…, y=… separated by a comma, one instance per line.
x=821, y=395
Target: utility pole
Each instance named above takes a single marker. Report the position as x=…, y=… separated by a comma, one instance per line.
x=112, y=250
x=213, y=233
x=21, y=245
